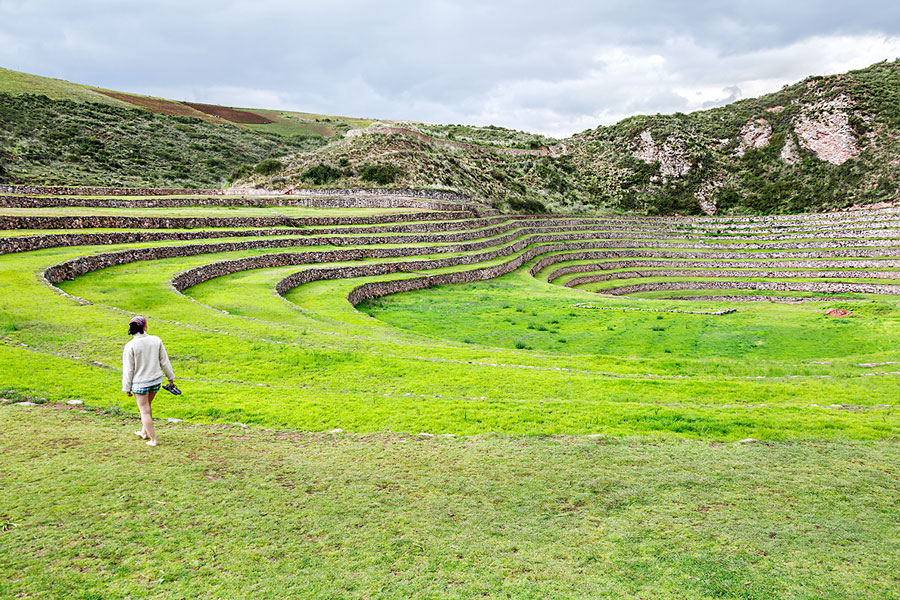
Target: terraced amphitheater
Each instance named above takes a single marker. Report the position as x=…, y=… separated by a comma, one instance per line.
x=420, y=311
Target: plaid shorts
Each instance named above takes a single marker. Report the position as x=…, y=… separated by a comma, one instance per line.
x=145, y=390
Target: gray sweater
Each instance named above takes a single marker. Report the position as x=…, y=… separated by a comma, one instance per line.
x=144, y=361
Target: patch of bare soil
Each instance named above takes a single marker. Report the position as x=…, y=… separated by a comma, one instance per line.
x=231, y=114
x=159, y=106
x=838, y=312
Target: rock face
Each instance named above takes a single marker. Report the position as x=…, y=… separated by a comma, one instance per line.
x=754, y=134
x=790, y=154
x=706, y=196
x=672, y=157
x=825, y=129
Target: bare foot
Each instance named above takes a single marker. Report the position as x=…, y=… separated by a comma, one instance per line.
x=151, y=443
x=141, y=434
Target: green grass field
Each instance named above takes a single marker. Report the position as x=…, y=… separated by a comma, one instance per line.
x=223, y=512
x=250, y=497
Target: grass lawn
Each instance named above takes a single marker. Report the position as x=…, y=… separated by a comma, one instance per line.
x=88, y=511
x=515, y=311
x=315, y=363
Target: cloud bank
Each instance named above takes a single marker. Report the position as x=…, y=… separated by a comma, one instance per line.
x=553, y=68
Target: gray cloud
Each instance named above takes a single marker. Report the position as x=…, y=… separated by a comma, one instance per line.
x=554, y=68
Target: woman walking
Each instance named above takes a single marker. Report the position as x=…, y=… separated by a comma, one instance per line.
x=144, y=361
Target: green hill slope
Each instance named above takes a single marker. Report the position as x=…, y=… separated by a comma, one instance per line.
x=44, y=141
x=279, y=122
x=822, y=143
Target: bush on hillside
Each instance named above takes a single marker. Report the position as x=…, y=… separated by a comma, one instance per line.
x=268, y=167
x=527, y=205
x=380, y=174
x=321, y=174
x=240, y=173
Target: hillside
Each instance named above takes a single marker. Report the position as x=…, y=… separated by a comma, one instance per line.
x=46, y=141
x=57, y=132
x=278, y=122
x=823, y=143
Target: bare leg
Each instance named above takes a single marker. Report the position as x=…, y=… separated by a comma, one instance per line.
x=143, y=402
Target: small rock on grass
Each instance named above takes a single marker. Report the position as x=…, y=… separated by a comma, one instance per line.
x=244, y=425
x=336, y=431
x=174, y=420
x=747, y=441
x=446, y=435
x=74, y=402
x=26, y=403
x=427, y=435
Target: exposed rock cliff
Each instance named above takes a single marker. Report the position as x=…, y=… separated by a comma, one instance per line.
x=672, y=156
x=754, y=134
x=824, y=128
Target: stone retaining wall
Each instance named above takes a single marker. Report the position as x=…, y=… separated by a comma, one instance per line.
x=627, y=254
x=784, y=286
x=79, y=266
x=56, y=190
x=422, y=233
x=61, y=190
x=686, y=264
x=445, y=195
x=324, y=237
x=135, y=222
x=600, y=231
x=757, y=298
x=85, y=264
x=726, y=273
x=151, y=202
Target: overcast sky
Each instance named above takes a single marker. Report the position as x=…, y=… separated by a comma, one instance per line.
x=553, y=67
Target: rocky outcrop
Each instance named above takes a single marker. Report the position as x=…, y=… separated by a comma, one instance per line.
x=790, y=153
x=824, y=128
x=754, y=134
x=672, y=156
x=706, y=196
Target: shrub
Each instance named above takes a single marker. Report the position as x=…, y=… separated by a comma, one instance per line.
x=529, y=205
x=268, y=167
x=321, y=174
x=240, y=173
x=380, y=174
